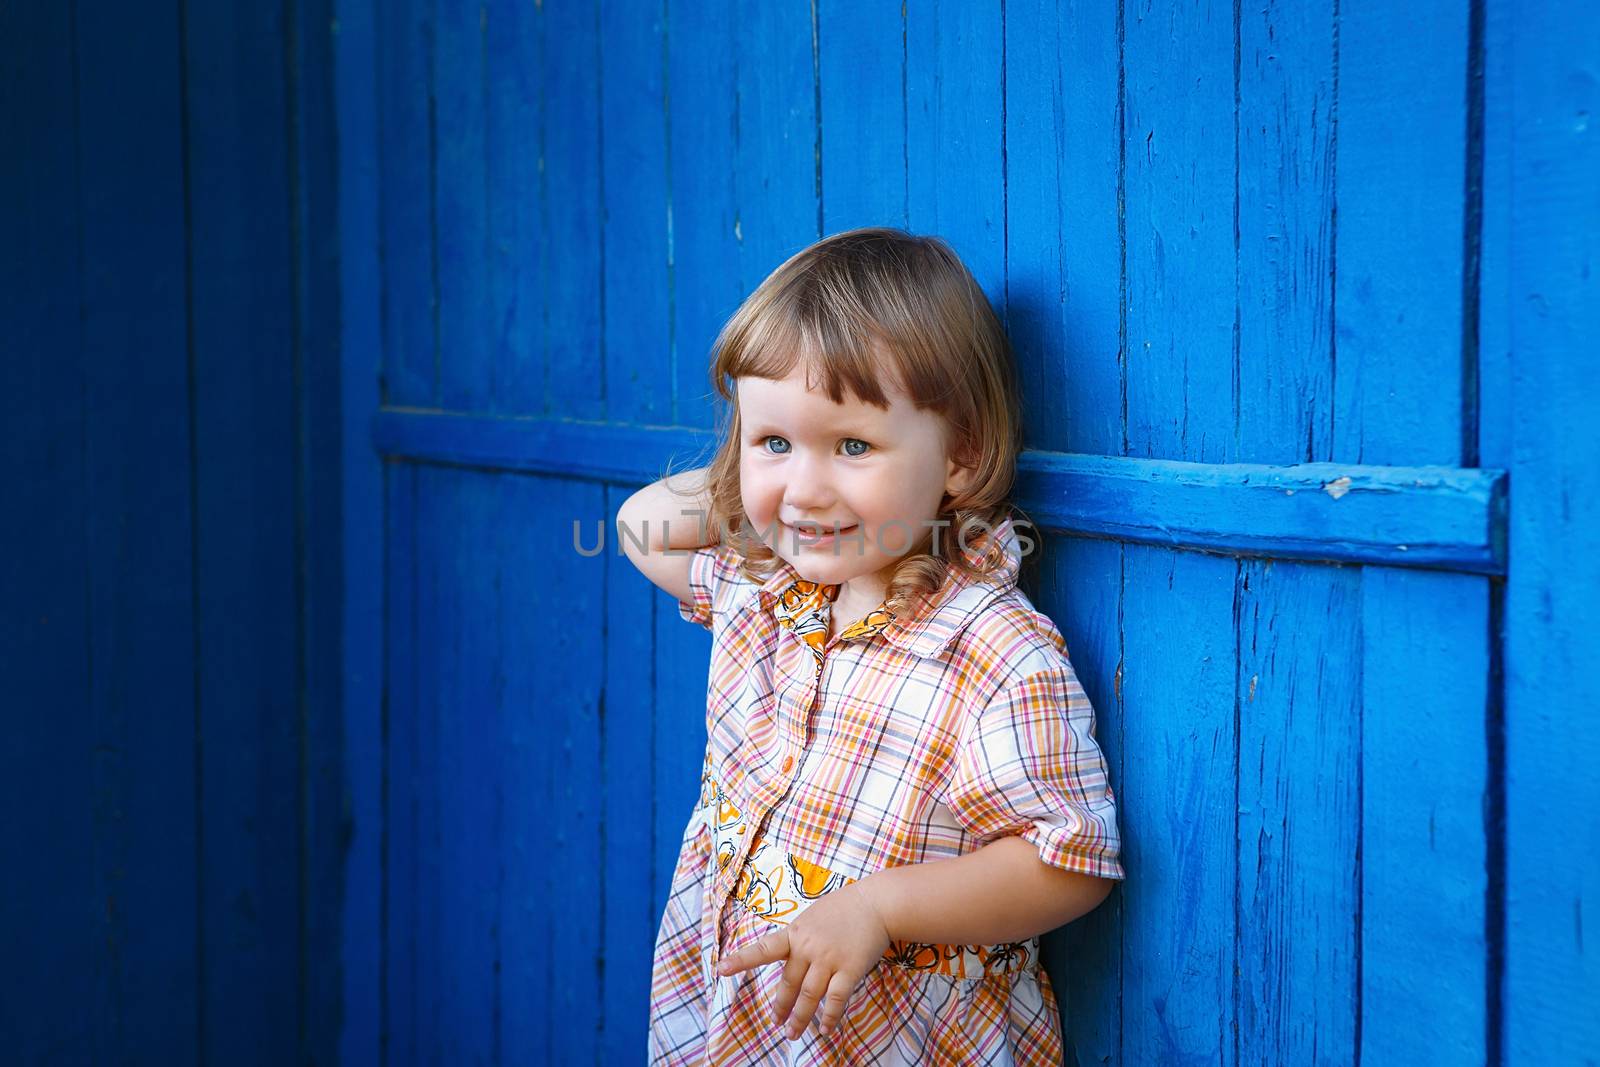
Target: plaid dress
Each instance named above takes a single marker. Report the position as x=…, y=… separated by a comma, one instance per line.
x=897, y=741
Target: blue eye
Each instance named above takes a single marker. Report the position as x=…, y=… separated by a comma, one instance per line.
x=848, y=441
x=779, y=452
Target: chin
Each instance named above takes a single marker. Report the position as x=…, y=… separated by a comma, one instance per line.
x=826, y=569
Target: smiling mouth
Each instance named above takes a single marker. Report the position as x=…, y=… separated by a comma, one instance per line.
x=820, y=533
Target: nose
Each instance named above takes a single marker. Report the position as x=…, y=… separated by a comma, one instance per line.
x=807, y=490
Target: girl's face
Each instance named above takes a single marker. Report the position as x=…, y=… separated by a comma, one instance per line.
x=877, y=475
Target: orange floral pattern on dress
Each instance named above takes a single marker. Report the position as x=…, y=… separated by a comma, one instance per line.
x=805, y=608
x=777, y=885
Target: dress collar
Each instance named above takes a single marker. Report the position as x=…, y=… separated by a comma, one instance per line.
x=802, y=606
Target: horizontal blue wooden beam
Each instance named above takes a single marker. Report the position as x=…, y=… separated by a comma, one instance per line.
x=1447, y=518
x=1451, y=518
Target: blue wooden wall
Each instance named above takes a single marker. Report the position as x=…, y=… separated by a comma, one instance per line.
x=326, y=322
x=170, y=832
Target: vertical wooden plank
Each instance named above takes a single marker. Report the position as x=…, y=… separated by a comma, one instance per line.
x=1548, y=93
x=479, y=799
x=149, y=888
x=252, y=678
x=776, y=139
x=575, y=383
x=465, y=653
x=526, y=604
x=1284, y=380
x=1298, y=828
x=636, y=326
x=1400, y=184
x=56, y=994
x=406, y=123
x=1424, y=685
x=515, y=304
x=313, y=160
x=1180, y=954
x=861, y=63
x=363, y=510
x=575, y=661
x=1403, y=213
x=432, y=1027
x=401, y=906
x=955, y=134
x=703, y=222
x=1064, y=277
x=1299, y=628
x=627, y=786
x=553, y=674
x=461, y=211
x=1180, y=200
x=1064, y=246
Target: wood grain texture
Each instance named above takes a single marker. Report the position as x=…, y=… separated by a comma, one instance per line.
x=459, y=99
x=248, y=480
x=628, y=786
x=149, y=875
x=403, y=775
x=1298, y=824
x=955, y=134
x=1403, y=271
x=636, y=327
x=406, y=160
x=570, y=207
x=703, y=224
x=861, y=95
x=322, y=473
x=458, y=827
x=66, y=958
x=1542, y=308
x=361, y=524
x=775, y=181
x=1182, y=942
x=172, y=436
x=1425, y=845
x=1063, y=177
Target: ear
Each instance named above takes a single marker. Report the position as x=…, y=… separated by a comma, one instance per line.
x=957, y=479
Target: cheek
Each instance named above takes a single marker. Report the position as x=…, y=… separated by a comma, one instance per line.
x=754, y=492
x=904, y=490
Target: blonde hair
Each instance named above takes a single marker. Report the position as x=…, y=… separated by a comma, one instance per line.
x=865, y=307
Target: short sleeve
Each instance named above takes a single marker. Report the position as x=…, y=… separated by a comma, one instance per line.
x=1029, y=764
x=713, y=574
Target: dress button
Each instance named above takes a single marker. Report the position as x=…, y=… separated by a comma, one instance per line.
x=788, y=764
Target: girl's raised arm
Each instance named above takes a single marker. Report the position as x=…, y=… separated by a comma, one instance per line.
x=659, y=526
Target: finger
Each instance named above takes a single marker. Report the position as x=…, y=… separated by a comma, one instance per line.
x=769, y=949
x=794, y=973
x=833, y=1004
x=805, y=1006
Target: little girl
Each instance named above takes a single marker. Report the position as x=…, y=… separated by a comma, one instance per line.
x=902, y=787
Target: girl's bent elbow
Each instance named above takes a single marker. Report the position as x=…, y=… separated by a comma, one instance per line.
x=631, y=532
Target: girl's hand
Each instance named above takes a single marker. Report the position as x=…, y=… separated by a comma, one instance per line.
x=830, y=947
